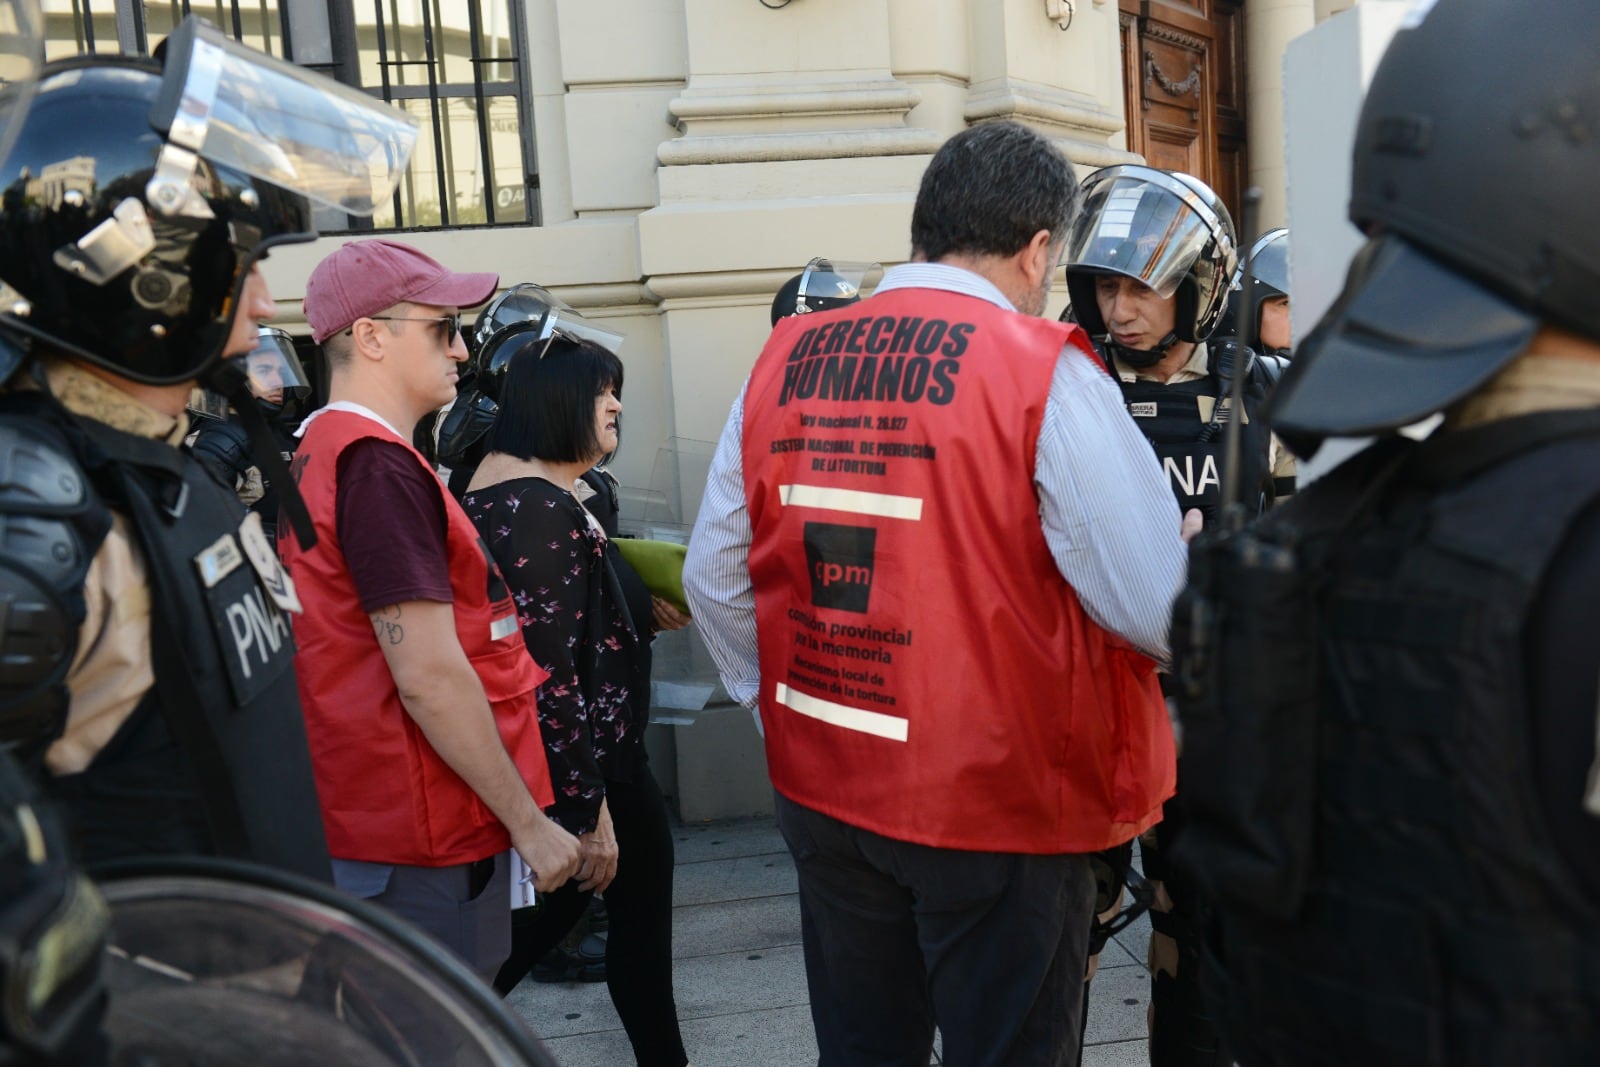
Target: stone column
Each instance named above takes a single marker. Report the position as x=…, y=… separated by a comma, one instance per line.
x=1064, y=82
x=793, y=142
x=1269, y=26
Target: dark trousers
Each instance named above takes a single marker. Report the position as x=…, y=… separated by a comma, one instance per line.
x=639, y=942
x=988, y=946
x=1182, y=1031
x=466, y=907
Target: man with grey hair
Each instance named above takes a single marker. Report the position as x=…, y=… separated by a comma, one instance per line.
x=937, y=554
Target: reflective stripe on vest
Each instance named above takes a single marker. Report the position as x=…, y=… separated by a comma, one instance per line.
x=926, y=671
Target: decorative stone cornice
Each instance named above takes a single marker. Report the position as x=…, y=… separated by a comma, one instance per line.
x=1080, y=129
x=747, y=123
x=723, y=285
x=889, y=98
x=1012, y=100
x=616, y=294
x=819, y=144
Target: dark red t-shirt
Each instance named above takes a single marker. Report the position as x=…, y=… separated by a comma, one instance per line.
x=391, y=521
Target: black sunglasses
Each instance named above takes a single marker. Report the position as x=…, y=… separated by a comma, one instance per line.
x=452, y=324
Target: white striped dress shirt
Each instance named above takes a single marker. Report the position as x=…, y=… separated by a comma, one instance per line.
x=1106, y=509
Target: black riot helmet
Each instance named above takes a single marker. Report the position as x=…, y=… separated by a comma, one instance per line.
x=1268, y=266
x=511, y=320
x=523, y=320
x=137, y=196
x=824, y=285
x=278, y=382
x=1474, y=166
x=523, y=302
x=1164, y=229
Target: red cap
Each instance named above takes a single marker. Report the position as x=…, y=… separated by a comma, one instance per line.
x=365, y=277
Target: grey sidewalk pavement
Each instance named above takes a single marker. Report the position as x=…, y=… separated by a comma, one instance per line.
x=741, y=981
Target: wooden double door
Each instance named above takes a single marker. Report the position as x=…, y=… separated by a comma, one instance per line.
x=1183, y=73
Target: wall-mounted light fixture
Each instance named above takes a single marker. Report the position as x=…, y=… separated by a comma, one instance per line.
x=1059, y=12
x=780, y=3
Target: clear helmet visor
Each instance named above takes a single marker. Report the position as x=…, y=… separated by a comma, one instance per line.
x=1268, y=263
x=1133, y=227
x=274, y=369
x=836, y=281
x=276, y=377
x=283, y=124
x=208, y=404
x=530, y=303
x=21, y=56
x=227, y=964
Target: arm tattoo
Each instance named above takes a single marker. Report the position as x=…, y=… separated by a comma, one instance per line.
x=386, y=624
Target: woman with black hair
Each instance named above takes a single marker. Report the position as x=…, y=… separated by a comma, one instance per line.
x=587, y=619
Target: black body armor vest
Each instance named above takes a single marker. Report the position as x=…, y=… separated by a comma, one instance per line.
x=1359, y=771
x=1186, y=423
x=223, y=447
x=214, y=758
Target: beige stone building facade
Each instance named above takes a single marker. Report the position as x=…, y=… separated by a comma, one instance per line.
x=665, y=165
x=686, y=156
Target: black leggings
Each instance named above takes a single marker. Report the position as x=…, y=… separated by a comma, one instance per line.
x=639, y=944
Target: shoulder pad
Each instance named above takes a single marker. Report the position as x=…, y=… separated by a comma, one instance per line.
x=223, y=446
x=38, y=473
x=38, y=639
x=52, y=520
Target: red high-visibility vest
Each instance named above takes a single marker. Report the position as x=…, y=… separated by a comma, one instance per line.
x=387, y=796
x=926, y=672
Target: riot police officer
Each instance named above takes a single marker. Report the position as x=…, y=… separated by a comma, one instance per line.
x=1150, y=264
x=148, y=657
x=456, y=436
x=822, y=286
x=1149, y=267
x=1267, y=312
x=280, y=391
x=1389, y=685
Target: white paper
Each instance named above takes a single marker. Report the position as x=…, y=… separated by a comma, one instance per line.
x=522, y=895
x=681, y=696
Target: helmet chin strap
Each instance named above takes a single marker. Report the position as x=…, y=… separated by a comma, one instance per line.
x=1143, y=358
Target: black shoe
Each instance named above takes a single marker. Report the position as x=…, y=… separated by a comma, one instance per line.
x=587, y=964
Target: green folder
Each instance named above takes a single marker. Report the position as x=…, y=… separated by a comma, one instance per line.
x=660, y=564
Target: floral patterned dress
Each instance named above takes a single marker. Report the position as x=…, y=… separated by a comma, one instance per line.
x=576, y=625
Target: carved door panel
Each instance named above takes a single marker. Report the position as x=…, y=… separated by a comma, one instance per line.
x=1183, y=87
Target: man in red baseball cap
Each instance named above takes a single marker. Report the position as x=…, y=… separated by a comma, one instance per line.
x=417, y=688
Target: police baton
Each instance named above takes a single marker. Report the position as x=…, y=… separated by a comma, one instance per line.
x=1233, y=513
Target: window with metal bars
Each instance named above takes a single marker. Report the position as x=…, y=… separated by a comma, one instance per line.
x=458, y=66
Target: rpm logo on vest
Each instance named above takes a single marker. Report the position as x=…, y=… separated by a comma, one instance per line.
x=840, y=560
